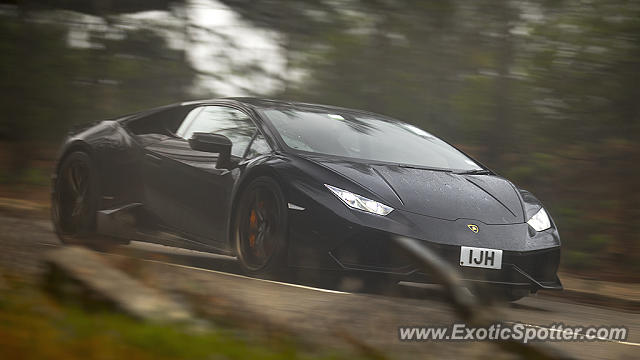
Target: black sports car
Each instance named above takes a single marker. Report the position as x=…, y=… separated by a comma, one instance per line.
x=281, y=184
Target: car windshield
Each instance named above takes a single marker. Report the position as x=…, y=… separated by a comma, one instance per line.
x=366, y=137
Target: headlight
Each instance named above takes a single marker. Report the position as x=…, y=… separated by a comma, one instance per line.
x=360, y=202
x=540, y=221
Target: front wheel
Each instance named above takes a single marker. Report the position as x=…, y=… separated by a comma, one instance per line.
x=260, y=228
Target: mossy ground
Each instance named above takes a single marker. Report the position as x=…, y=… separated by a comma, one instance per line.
x=35, y=326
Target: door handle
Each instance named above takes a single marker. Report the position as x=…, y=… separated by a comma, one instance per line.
x=153, y=159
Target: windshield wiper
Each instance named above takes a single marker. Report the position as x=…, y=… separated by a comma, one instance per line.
x=408, y=166
x=475, y=172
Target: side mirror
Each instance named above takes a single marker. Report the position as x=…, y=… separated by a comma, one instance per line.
x=213, y=143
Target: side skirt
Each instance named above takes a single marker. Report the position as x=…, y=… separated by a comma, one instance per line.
x=131, y=222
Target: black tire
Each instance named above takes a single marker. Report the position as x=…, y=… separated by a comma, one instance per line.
x=260, y=228
x=74, y=199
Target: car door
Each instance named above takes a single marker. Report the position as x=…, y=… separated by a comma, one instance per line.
x=183, y=187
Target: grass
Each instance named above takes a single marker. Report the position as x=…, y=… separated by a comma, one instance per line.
x=34, y=326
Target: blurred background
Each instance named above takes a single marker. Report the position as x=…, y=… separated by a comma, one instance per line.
x=546, y=93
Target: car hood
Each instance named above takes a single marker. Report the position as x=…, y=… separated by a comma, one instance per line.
x=445, y=195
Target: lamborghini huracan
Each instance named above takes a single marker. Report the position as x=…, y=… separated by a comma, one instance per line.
x=285, y=185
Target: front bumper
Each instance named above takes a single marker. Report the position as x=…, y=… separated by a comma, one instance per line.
x=345, y=240
x=535, y=270
x=365, y=251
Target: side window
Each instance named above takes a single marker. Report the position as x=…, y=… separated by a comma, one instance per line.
x=188, y=120
x=232, y=123
x=162, y=122
x=258, y=147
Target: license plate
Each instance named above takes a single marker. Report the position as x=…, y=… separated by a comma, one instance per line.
x=480, y=257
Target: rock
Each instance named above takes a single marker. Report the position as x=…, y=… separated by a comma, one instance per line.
x=74, y=266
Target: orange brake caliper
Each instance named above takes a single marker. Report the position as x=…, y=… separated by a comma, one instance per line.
x=252, y=225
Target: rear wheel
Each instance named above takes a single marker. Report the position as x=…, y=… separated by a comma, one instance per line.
x=73, y=203
x=260, y=228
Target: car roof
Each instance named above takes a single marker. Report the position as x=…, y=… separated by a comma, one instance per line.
x=264, y=103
